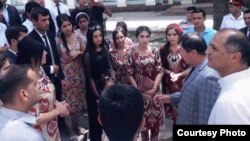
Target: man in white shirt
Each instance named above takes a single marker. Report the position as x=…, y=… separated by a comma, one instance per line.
x=19, y=92
x=29, y=6
x=229, y=55
x=235, y=18
x=56, y=8
x=3, y=41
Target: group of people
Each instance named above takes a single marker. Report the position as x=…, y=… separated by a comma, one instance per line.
x=47, y=72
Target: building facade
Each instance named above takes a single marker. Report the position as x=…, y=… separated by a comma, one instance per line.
x=119, y=3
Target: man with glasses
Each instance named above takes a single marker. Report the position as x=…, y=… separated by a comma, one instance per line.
x=235, y=18
x=229, y=54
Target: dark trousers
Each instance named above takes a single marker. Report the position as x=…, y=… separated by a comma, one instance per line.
x=95, y=129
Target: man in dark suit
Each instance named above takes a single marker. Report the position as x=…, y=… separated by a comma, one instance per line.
x=40, y=19
x=12, y=17
x=13, y=35
x=246, y=30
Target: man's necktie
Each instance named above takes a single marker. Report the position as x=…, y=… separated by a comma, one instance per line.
x=191, y=71
x=248, y=33
x=49, y=48
x=58, y=9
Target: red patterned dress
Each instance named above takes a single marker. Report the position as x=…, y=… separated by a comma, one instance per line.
x=120, y=63
x=148, y=66
x=174, y=62
x=46, y=104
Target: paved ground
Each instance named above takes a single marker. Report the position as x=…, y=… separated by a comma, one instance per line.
x=155, y=20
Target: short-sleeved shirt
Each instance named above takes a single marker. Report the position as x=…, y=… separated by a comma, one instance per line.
x=207, y=34
x=229, y=21
x=17, y=126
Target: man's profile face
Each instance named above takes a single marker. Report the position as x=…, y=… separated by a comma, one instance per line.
x=33, y=87
x=42, y=22
x=218, y=56
x=187, y=56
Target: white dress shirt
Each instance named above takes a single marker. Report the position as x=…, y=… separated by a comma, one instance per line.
x=54, y=13
x=16, y=126
x=233, y=103
x=229, y=21
x=29, y=25
x=3, y=39
x=6, y=14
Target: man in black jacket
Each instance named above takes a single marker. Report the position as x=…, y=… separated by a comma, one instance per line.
x=40, y=19
x=246, y=30
x=12, y=17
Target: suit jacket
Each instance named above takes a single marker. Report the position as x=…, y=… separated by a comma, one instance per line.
x=33, y=34
x=244, y=31
x=11, y=56
x=198, y=95
x=14, y=18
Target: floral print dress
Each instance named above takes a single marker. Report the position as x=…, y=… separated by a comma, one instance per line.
x=148, y=66
x=74, y=92
x=120, y=63
x=46, y=104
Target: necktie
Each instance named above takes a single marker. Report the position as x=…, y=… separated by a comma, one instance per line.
x=248, y=33
x=190, y=73
x=58, y=9
x=49, y=48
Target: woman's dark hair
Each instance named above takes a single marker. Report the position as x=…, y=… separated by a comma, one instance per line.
x=115, y=32
x=93, y=28
x=60, y=19
x=29, y=49
x=123, y=25
x=140, y=29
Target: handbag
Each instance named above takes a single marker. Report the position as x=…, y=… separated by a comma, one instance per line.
x=146, y=84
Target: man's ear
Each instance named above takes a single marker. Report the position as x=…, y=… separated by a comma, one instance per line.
x=23, y=95
x=99, y=119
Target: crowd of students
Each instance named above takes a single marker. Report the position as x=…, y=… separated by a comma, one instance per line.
x=65, y=64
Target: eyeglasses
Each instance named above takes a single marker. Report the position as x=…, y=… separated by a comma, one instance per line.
x=95, y=27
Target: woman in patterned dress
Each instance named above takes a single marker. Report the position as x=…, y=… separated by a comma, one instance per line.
x=73, y=91
x=146, y=63
x=48, y=109
x=174, y=67
x=119, y=56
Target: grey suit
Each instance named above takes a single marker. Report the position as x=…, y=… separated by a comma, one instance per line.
x=197, y=96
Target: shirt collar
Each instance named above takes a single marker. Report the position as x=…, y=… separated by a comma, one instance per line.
x=54, y=4
x=232, y=78
x=41, y=35
x=10, y=50
x=17, y=115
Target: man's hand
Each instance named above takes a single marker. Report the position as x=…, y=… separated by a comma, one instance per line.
x=56, y=69
x=163, y=98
